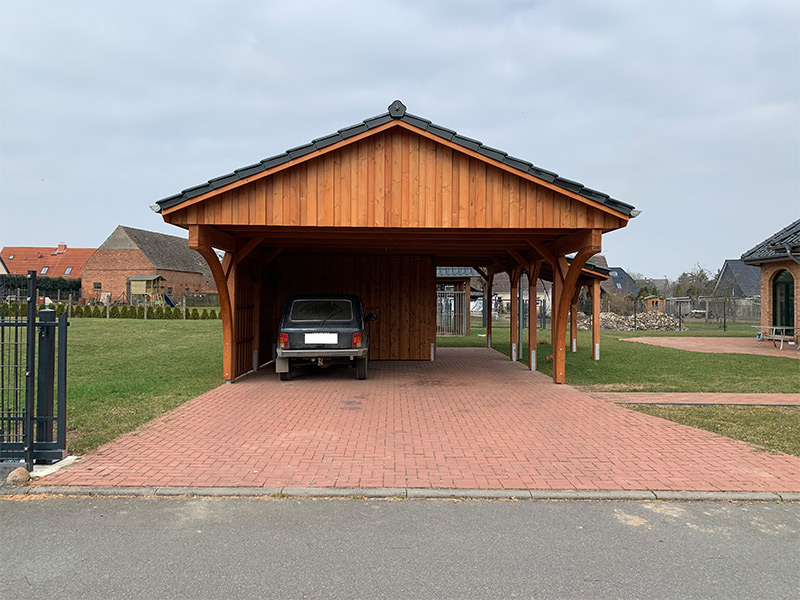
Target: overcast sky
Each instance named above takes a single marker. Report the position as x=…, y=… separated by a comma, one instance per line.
x=689, y=110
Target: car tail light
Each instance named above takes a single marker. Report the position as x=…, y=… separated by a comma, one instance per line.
x=357, y=339
x=284, y=339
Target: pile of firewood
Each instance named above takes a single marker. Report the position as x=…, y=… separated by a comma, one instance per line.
x=648, y=321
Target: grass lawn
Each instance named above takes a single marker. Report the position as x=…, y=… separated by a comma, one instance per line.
x=773, y=428
x=122, y=373
x=628, y=366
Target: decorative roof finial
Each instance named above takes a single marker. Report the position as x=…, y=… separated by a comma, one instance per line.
x=397, y=109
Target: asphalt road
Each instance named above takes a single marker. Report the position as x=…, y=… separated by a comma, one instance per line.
x=265, y=548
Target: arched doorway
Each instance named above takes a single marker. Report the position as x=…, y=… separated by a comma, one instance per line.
x=783, y=299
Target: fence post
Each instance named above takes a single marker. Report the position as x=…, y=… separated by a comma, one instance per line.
x=30, y=358
x=183, y=307
x=45, y=377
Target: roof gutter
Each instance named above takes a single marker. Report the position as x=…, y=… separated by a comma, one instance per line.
x=788, y=249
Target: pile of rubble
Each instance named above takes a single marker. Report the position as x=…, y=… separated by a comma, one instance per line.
x=648, y=321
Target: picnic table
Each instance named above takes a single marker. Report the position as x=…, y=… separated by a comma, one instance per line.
x=776, y=333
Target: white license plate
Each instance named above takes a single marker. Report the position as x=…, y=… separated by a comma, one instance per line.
x=322, y=338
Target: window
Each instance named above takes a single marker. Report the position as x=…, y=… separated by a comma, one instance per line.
x=619, y=286
x=11, y=257
x=97, y=285
x=321, y=310
x=169, y=291
x=68, y=270
x=44, y=270
x=783, y=299
x=613, y=273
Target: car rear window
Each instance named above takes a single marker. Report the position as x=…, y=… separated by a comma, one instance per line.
x=321, y=310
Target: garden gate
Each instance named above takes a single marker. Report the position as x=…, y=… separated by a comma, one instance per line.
x=33, y=383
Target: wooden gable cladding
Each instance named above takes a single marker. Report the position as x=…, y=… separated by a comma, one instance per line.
x=396, y=178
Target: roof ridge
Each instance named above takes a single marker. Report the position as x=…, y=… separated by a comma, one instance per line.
x=396, y=112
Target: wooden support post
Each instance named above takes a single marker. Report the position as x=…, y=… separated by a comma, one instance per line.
x=533, y=342
x=200, y=240
x=573, y=320
x=562, y=307
x=596, y=319
x=514, y=323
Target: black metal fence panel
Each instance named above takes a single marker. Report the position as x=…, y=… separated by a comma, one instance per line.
x=33, y=381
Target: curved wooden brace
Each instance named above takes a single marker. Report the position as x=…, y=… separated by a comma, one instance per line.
x=562, y=312
x=207, y=252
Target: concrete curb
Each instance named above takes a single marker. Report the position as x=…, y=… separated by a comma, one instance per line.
x=402, y=493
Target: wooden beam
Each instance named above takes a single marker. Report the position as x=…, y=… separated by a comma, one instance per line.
x=523, y=262
x=575, y=241
x=271, y=255
x=543, y=251
x=248, y=248
x=206, y=235
x=484, y=275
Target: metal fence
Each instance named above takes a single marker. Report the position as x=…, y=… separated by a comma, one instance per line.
x=452, y=312
x=33, y=381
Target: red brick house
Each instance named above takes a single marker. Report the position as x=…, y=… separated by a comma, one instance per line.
x=779, y=259
x=60, y=261
x=130, y=255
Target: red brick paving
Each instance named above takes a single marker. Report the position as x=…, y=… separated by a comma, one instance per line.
x=472, y=419
x=720, y=345
x=697, y=398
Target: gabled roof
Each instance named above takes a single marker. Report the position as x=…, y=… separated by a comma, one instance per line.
x=739, y=279
x=166, y=252
x=456, y=272
x=397, y=112
x=774, y=247
x=619, y=282
x=57, y=260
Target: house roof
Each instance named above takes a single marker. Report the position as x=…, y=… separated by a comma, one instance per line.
x=397, y=111
x=739, y=278
x=57, y=260
x=166, y=252
x=619, y=282
x=774, y=247
x=456, y=272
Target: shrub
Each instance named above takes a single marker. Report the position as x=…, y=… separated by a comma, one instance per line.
x=212, y=314
x=60, y=310
x=195, y=315
x=96, y=314
x=77, y=312
x=132, y=312
x=114, y=314
x=150, y=312
x=87, y=311
x=140, y=312
x=123, y=312
x=177, y=313
x=204, y=314
x=159, y=312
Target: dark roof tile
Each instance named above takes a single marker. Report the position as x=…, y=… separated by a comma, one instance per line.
x=353, y=130
x=275, y=161
x=442, y=132
x=249, y=170
x=327, y=140
x=466, y=142
x=773, y=248
x=299, y=151
x=377, y=121
x=492, y=153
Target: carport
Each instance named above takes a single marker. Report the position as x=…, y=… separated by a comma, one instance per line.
x=372, y=210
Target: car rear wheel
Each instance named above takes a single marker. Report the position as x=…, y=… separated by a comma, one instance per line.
x=361, y=368
x=285, y=376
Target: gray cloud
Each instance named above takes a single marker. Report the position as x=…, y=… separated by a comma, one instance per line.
x=688, y=110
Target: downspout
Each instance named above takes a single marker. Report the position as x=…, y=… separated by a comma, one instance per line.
x=788, y=249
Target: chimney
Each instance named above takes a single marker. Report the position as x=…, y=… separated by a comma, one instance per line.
x=61, y=248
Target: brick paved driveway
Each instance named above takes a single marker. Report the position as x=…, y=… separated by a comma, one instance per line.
x=472, y=419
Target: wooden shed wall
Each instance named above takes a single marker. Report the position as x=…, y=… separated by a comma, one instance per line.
x=395, y=178
x=401, y=290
